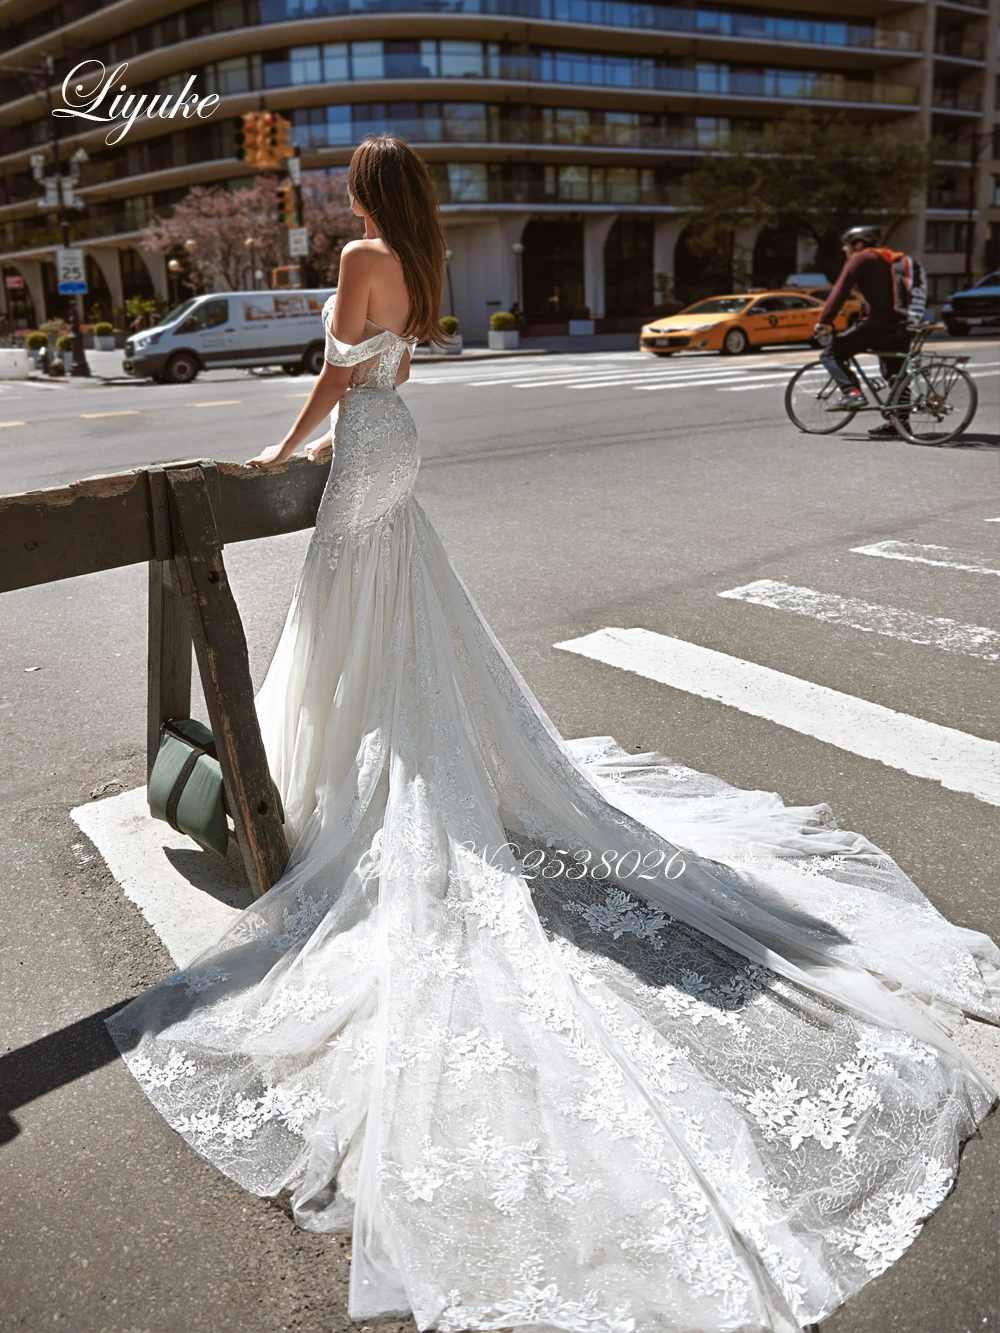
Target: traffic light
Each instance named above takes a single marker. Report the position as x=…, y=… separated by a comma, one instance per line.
x=249, y=141
x=288, y=215
x=276, y=140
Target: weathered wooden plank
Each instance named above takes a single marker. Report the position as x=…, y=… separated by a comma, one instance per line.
x=221, y=648
x=168, y=676
x=105, y=522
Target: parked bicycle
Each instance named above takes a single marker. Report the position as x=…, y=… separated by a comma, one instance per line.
x=930, y=400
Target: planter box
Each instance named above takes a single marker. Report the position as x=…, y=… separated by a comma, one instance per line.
x=104, y=342
x=67, y=360
x=581, y=327
x=15, y=363
x=503, y=339
x=453, y=347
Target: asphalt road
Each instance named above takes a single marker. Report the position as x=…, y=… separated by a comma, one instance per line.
x=574, y=495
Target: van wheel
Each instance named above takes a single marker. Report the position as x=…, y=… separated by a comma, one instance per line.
x=182, y=368
x=314, y=359
x=735, y=343
x=294, y=369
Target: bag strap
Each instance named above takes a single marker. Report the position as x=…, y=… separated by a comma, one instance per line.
x=197, y=749
x=202, y=747
x=177, y=790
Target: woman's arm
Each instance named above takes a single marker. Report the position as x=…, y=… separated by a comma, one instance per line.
x=350, y=310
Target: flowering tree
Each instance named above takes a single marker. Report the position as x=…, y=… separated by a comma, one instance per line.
x=221, y=221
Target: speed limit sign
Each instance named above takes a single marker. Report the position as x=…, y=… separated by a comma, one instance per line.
x=72, y=272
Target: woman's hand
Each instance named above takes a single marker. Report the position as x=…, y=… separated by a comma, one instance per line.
x=318, y=450
x=270, y=458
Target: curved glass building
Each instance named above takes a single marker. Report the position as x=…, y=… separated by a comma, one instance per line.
x=564, y=126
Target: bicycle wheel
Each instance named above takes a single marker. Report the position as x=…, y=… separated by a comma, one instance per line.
x=808, y=397
x=934, y=404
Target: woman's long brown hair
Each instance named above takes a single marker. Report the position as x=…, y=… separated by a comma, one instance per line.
x=394, y=187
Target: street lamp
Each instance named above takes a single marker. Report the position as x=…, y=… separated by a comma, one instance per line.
x=249, y=245
x=447, y=266
x=41, y=81
x=190, y=246
x=174, y=267
x=518, y=251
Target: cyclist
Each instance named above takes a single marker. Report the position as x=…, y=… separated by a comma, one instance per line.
x=881, y=328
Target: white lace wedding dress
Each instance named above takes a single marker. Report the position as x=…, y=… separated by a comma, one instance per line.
x=553, y=1073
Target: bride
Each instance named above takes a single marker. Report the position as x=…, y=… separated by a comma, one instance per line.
x=571, y=1038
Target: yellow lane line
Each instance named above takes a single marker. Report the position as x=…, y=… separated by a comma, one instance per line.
x=12, y=423
x=222, y=402
x=126, y=412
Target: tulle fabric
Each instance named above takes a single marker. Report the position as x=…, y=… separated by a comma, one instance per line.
x=570, y=1038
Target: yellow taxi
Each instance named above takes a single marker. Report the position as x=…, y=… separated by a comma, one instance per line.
x=851, y=309
x=735, y=324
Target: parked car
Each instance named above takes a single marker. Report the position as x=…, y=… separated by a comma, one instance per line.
x=735, y=324
x=978, y=307
x=225, y=329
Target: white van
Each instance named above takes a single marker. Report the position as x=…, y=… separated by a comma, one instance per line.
x=224, y=329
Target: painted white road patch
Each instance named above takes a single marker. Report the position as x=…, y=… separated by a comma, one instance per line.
x=957, y=760
x=188, y=896
x=926, y=555
x=892, y=622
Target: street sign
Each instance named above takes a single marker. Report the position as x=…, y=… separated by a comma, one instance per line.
x=298, y=242
x=72, y=272
x=295, y=170
x=14, y=282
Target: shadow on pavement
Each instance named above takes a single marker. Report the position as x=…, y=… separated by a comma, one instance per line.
x=52, y=1061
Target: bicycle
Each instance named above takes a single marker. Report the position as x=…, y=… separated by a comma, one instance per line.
x=929, y=400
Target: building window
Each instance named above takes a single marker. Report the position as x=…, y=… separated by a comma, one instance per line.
x=994, y=198
x=467, y=182
x=945, y=237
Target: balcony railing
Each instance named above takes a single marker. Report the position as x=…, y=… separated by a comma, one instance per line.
x=535, y=133
x=480, y=183
x=954, y=99
x=337, y=62
x=961, y=48
x=620, y=14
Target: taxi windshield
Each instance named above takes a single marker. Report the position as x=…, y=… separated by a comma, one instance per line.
x=718, y=305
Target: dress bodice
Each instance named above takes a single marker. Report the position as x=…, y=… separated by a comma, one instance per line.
x=375, y=360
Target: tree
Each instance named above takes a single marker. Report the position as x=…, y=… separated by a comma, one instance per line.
x=819, y=175
x=221, y=221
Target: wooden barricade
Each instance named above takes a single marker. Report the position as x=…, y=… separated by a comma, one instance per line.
x=178, y=517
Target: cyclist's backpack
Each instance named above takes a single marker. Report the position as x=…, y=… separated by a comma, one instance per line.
x=909, y=287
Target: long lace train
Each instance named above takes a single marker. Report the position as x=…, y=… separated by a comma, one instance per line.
x=571, y=1038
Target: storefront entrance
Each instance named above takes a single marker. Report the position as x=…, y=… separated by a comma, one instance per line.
x=628, y=267
x=552, y=270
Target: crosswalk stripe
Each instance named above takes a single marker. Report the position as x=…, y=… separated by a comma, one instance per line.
x=721, y=382
x=957, y=760
x=926, y=555
x=891, y=622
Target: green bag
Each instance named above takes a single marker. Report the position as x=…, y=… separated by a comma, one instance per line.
x=185, y=787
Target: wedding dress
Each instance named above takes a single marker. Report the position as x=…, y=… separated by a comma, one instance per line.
x=572, y=1038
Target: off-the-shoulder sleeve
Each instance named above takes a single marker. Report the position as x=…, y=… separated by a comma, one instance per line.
x=350, y=354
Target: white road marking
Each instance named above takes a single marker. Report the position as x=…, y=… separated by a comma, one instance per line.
x=892, y=622
x=724, y=381
x=148, y=860
x=926, y=555
x=958, y=761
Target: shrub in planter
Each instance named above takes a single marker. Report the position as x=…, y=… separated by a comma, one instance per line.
x=580, y=312
x=449, y=325
x=104, y=336
x=65, y=342
x=502, y=321
x=36, y=341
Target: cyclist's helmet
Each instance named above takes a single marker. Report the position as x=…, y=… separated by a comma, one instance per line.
x=866, y=235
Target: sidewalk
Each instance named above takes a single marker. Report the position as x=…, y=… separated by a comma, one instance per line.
x=106, y=366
